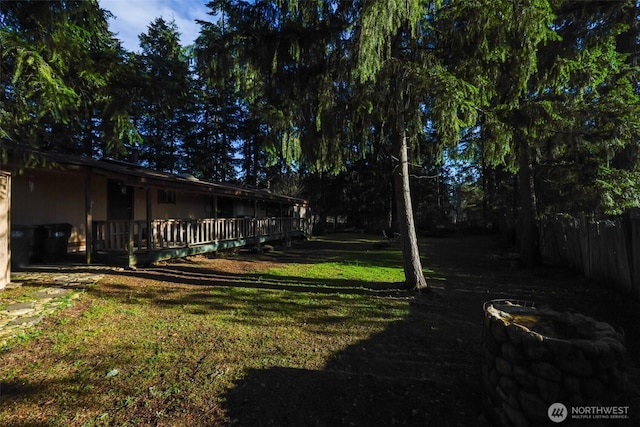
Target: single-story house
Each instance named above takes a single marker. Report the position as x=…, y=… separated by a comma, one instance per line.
x=122, y=213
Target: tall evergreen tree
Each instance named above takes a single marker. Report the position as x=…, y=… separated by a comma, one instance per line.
x=222, y=121
x=59, y=61
x=165, y=95
x=594, y=120
x=496, y=45
x=554, y=89
x=317, y=103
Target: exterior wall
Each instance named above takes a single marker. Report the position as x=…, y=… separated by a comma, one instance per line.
x=187, y=206
x=140, y=203
x=49, y=197
x=98, y=198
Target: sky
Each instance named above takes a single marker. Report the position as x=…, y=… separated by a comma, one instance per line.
x=132, y=17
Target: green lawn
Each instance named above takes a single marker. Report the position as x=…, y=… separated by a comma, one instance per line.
x=143, y=350
x=319, y=334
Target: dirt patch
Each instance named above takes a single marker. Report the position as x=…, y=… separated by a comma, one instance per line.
x=243, y=262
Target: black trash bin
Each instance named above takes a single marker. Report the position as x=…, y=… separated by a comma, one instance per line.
x=26, y=245
x=56, y=242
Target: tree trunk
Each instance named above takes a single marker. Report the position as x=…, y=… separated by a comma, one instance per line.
x=390, y=207
x=529, y=238
x=627, y=158
x=414, y=278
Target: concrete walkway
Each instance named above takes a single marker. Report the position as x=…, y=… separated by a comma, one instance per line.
x=44, y=293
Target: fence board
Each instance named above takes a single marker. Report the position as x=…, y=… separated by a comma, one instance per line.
x=607, y=251
x=634, y=255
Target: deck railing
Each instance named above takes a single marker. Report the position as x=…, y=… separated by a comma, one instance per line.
x=134, y=236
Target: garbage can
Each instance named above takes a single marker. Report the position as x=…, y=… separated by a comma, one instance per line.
x=56, y=242
x=26, y=245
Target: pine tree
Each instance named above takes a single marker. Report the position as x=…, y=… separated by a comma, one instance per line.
x=224, y=122
x=335, y=81
x=165, y=95
x=557, y=96
x=58, y=64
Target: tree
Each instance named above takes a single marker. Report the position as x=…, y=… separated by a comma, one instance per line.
x=319, y=107
x=557, y=97
x=224, y=122
x=165, y=95
x=384, y=55
x=584, y=158
x=501, y=40
x=582, y=107
x=58, y=64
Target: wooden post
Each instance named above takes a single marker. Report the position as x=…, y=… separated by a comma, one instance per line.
x=130, y=245
x=254, y=229
x=150, y=237
x=216, y=226
x=88, y=207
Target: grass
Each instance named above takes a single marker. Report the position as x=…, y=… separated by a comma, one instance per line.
x=350, y=261
x=339, y=271
x=138, y=351
x=313, y=335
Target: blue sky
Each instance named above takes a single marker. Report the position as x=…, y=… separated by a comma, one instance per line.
x=132, y=17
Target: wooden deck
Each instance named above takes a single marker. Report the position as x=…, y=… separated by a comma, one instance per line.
x=133, y=243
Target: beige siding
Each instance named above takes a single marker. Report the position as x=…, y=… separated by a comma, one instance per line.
x=140, y=204
x=187, y=206
x=98, y=198
x=55, y=196
x=50, y=197
x=5, y=223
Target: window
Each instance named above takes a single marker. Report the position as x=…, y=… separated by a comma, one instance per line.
x=167, y=196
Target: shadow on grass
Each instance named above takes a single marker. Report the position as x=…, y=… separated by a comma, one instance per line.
x=413, y=373
x=346, y=248
x=401, y=376
x=249, y=304
x=339, y=250
x=422, y=370
x=199, y=276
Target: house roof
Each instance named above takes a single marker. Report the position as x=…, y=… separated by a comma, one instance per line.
x=133, y=174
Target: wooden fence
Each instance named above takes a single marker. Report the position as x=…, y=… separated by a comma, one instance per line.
x=607, y=251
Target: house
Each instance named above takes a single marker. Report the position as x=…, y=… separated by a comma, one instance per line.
x=121, y=213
